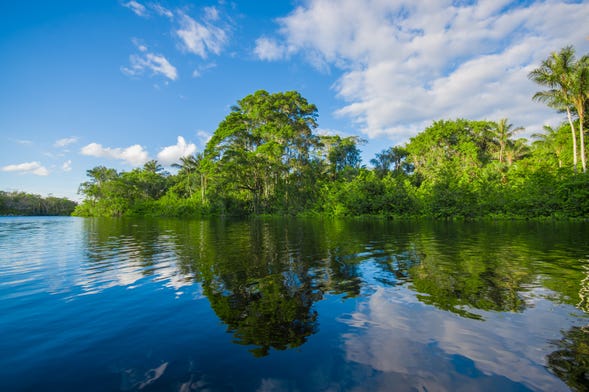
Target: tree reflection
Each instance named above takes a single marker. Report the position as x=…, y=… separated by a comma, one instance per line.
x=261, y=282
x=490, y=267
x=461, y=269
x=263, y=277
x=274, y=311
x=570, y=361
x=114, y=240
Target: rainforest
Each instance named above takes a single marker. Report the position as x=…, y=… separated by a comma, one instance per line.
x=266, y=158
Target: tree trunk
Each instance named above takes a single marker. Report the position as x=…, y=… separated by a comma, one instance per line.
x=574, y=138
x=501, y=148
x=582, y=143
x=203, y=185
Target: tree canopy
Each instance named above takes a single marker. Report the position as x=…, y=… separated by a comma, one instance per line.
x=266, y=158
x=22, y=203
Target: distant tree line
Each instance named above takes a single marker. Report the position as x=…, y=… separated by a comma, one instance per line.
x=265, y=158
x=21, y=203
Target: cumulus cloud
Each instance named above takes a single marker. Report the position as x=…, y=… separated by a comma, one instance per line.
x=27, y=168
x=134, y=155
x=138, y=8
x=172, y=154
x=156, y=63
x=66, y=141
x=396, y=339
x=406, y=63
x=201, y=38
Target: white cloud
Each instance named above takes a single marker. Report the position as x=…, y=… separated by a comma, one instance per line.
x=397, y=332
x=22, y=141
x=202, y=68
x=201, y=38
x=156, y=63
x=27, y=168
x=211, y=14
x=204, y=137
x=171, y=154
x=139, y=44
x=207, y=36
x=138, y=8
x=406, y=63
x=134, y=155
x=269, y=49
x=65, y=141
x=67, y=166
x=162, y=11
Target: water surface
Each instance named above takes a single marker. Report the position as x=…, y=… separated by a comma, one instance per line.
x=292, y=305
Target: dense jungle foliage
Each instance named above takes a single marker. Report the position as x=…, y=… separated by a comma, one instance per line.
x=264, y=158
x=21, y=203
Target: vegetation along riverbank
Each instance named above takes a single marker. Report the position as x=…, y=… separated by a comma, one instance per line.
x=266, y=158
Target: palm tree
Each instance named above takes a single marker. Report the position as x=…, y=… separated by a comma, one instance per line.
x=567, y=81
x=99, y=176
x=551, y=141
x=153, y=167
x=189, y=166
x=515, y=150
x=580, y=98
x=503, y=132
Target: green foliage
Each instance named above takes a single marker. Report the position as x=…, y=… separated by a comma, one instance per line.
x=391, y=160
x=367, y=194
x=343, y=155
x=265, y=159
x=260, y=154
x=570, y=361
x=567, y=81
x=109, y=193
x=573, y=193
x=21, y=203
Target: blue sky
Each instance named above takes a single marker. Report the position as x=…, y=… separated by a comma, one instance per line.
x=114, y=83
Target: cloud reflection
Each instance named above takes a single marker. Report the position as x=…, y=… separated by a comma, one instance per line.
x=423, y=348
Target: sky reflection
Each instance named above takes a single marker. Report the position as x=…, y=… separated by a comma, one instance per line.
x=421, y=347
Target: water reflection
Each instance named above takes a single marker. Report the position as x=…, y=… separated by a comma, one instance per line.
x=122, y=252
x=263, y=292
x=368, y=304
x=424, y=349
x=263, y=277
x=570, y=361
x=464, y=268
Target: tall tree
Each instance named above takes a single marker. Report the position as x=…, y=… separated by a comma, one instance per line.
x=515, y=150
x=99, y=176
x=263, y=146
x=392, y=159
x=341, y=153
x=551, y=141
x=567, y=81
x=503, y=132
x=580, y=100
x=189, y=168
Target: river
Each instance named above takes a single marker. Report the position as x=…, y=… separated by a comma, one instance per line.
x=292, y=305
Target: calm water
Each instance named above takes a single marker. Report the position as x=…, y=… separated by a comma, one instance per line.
x=298, y=305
